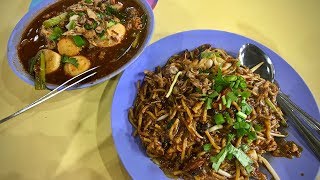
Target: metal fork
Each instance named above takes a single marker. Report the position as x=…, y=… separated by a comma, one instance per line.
x=52, y=93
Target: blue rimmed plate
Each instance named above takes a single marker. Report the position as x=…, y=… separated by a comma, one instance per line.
x=129, y=148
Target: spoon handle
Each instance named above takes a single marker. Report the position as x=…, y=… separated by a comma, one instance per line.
x=312, y=122
x=312, y=141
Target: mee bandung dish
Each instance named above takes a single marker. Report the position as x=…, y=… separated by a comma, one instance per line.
x=72, y=36
x=205, y=116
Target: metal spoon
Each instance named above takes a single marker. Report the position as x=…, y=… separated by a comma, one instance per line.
x=250, y=55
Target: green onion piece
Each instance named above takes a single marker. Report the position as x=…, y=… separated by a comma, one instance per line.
x=244, y=147
x=218, y=88
x=220, y=106
x=230, y=137
x=241, y=156
x=218, y=118
x=88, y=1
x=100, y=15
x=242, y=115
x=219, y=158
x=33, y=62
x=135, y=43
x=238, y=63
x=257, y=127
x=228, y=103
x=111, y=23
x=56, y=33
x=81, y=14
x=173, y=83
x=229, y=156
x=224, y=101
x=236, y=85
x=215, y=127
x=71, y=25
x=241, y=125
x=87, y=27
x=245, y=94
x=78, y=40
x=230, y=78
x=213, y=95
x=40, y=74
x=209, y=103
x=206, y=55
x=252, y=135
x=55, y=20
x=232, y=84
x=273, y=107
x=207, y=147
x=71, y=14
x=232, y=96
x=243, y=85
x=228, y=118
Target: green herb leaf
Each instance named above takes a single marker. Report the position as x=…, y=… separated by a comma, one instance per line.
x=88, y=1
x=241, y=156
x=219, y=158
x=207, y=147
x=241, y=125
x=111, y=23
x=73, y=61
x=78, y=40
x=56, y=33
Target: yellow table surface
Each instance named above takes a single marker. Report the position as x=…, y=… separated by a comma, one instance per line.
x=69, y=136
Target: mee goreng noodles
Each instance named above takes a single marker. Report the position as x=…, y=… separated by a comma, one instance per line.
x=205, y=116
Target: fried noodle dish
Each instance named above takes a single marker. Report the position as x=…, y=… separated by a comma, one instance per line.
x=205, y=116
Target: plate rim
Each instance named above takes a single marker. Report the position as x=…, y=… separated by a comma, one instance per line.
x=123, y=75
